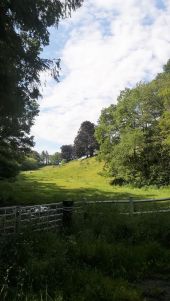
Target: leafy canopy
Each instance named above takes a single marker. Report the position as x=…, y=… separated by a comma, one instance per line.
x=85, y=142
x=134, y=135
x=67, y=152
x=24, y=30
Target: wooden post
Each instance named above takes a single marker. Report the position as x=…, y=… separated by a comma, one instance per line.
x=4, y=221
x=18, y=219
x=131, y=206
x=67, y=213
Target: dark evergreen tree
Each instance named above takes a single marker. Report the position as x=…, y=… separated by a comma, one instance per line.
x=67, y=152
x=85, y=142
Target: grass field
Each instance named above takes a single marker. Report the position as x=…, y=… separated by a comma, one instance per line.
x=77, y=180
x=102, y=256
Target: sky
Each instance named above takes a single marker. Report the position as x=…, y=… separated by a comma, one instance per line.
x=105, y=46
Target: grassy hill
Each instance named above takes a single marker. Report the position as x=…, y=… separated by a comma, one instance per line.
x=78, y=180
x=103, y=256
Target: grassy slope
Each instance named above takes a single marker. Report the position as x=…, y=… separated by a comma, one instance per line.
x=78, y=180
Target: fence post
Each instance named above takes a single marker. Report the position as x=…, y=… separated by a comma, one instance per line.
x=18, y=218
x=4, y=221
x=67, y=213
x=131, y=206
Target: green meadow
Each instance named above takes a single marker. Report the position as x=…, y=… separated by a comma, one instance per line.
x=78, y=180
x=102, y=256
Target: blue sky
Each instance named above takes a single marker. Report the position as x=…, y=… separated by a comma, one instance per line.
x=104, y=47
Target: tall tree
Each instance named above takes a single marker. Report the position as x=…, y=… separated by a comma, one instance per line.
x=43, y=157
x=163, y=82
x=55, y=159
x=67, y=152
x=24, y=30
x=31, y=162
x=85, y=142
x=132, y=138
x=47, y=158
x=34, y=154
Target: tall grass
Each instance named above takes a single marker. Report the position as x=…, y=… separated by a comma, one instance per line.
x=103, y=257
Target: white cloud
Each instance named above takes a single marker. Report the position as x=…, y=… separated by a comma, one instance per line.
x=111, y=44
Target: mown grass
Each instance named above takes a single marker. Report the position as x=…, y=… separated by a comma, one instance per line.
x=77, y=180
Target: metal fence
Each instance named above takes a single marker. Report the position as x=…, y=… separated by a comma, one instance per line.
x=16, y=219
x=132, y=207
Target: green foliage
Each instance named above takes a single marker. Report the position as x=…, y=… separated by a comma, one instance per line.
x=105, y=257
x=134, y=134
x=63, y=162
x=166, y=67
x=45, y=158
x=24, y=32
x=163, y=81
x=85, y=142
x=29, y=164
x=67, y=152
x=55, y=159
x=36, y=156
x=78, y=180
x=8, y=167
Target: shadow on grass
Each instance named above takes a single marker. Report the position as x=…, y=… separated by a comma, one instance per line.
x=26, y=191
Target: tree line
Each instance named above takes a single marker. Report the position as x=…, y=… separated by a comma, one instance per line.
x=132, y=137
x=85, y=145
x=24, y=31
x=134, y=134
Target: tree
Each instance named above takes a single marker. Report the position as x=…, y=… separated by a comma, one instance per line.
x=85, y=142
x=34, y=154
x=55, y=159
x=67, y=152
x=24, y=30
x=131, y=137
x=29, y=163
x=166, y=67
x=45, y=157
x=163, y=82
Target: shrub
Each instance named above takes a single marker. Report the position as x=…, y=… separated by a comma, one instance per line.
x=8, y=167
x=117, y=181
x=29, y=164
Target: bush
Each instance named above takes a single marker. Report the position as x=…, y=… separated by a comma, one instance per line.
x=29, y=164
x=8, y=167
x=63, y=162
x=117, y=181
x=105, y=257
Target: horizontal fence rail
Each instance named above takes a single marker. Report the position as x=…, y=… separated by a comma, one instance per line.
x=15, y=219
x=132, y=205
x=37, y=217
